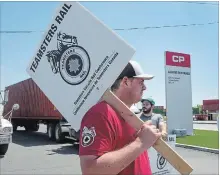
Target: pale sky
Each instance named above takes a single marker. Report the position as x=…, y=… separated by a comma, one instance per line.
x=201, y=41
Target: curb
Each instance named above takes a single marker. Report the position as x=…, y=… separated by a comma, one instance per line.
x=204, y=149
x=210, y=123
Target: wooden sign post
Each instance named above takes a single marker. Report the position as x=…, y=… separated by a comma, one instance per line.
x=160, y=146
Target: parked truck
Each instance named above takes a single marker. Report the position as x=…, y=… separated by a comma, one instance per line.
x=5, y=135
x=35, y=109
x=6, y=130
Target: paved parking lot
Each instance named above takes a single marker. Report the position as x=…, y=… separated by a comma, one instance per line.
x=33, y=153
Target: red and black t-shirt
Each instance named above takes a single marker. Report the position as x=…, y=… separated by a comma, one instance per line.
x=103, y=130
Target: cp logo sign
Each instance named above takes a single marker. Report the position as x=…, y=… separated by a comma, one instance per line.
x=178, y=59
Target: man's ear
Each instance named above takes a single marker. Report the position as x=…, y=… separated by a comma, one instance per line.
x=124, y=81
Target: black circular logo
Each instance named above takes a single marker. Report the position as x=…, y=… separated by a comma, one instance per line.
x=74, y=65
x=161, y=162
x=87, y=139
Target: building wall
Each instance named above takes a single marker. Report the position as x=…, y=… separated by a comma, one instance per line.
x=211, y=105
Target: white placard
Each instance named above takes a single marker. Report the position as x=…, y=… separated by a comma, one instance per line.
x=77, y=60
x=159, y=165
x=178, y=92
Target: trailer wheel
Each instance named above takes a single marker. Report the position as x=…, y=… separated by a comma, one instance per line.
x=59, y=136
x=51, y=131
x=3, y=149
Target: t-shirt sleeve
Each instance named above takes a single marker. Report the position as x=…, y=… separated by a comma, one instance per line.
x=160, y=118
x=96, y=135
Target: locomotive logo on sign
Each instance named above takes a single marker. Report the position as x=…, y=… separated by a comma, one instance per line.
x=70, y=60
x=161, y=162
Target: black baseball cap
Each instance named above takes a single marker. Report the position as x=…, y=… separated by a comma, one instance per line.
x=134, y=70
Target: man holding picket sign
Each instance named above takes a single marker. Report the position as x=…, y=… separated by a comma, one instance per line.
x=108, y=144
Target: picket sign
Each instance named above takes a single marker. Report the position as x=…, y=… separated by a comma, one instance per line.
x=77, y=60
x=159, y=165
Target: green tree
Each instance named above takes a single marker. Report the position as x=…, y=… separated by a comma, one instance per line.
x=197, y=109
x=200, y=108
x=158, y=111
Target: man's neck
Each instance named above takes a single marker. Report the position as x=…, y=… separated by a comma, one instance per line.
x=123, y=98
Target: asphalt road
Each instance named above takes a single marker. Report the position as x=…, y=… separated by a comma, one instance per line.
x=33, y=153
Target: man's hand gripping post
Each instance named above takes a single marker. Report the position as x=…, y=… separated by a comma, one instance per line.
x=160, y=146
